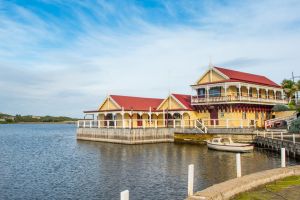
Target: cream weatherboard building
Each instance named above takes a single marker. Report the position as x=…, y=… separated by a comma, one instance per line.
x=222, y=98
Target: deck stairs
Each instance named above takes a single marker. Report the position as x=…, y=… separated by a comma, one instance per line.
x=200, y=126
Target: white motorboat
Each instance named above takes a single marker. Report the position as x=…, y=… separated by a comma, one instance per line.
x=226, y=144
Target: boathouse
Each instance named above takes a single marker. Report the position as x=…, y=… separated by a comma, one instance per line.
x=222, y=98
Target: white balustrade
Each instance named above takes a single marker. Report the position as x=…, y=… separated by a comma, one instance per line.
x=159, y=123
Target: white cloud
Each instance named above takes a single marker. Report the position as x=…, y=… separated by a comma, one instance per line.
x=45, y=71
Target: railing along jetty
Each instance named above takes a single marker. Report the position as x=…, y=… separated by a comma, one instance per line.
x=275, y=141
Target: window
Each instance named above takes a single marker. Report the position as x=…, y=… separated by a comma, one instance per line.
x=215, y=92
x=268, y=115
x=201, y=92
x=256, y=115
x=244, y=115
x=222, y=114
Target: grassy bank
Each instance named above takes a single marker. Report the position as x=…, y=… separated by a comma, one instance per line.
x=287, y=188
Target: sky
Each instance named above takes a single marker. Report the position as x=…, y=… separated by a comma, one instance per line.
x=60, y=57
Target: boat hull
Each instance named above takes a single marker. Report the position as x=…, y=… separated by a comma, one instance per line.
x=232, y=148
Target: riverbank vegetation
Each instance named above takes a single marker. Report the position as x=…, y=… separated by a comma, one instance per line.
x=291, y=90
x=7, y=119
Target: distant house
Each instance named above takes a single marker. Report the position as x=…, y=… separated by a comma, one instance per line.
x=35, y=117
x=9, y=118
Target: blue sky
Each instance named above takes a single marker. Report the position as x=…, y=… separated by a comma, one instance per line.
x=62, y=57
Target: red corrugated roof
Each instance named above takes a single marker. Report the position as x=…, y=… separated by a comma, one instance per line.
x=185, y=100
x=136, y=103
x=247, y=77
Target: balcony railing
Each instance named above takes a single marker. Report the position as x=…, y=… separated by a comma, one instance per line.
x=196, y=100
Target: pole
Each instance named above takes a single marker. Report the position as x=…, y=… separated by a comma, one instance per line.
x=125, y=195
x=294, y=139
x=282, y=157
x=238, y=165
x=191, y=180
x=272, y=135
x=281, y=135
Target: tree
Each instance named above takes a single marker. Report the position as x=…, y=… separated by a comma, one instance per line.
x=289, y=88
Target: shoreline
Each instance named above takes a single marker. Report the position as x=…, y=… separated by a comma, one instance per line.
x=64, y=122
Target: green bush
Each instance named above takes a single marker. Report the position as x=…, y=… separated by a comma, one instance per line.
x=9, y=121
x=295, y=126
x=280, y=107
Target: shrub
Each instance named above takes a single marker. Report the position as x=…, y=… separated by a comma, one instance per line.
x=9, y=121
x=280, y=107
x=295, y=126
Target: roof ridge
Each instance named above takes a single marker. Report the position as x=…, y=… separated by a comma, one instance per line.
x=241, y=72
x=180, y=94
x=135, y=97
x=245, y=76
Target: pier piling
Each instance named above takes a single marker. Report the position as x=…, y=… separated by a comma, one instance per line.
x=191, y=180
x=125, y=195
x=238, y=165
x=282, y=157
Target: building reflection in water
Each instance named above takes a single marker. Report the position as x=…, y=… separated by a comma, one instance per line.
x=163, y=167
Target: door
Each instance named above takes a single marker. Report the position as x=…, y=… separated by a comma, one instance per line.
x=139, y=121
x=108, y=120
x=214, y=117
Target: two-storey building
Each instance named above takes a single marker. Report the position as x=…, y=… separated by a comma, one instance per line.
x=224, y=96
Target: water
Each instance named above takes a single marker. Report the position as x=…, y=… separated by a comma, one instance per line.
x=46, y=162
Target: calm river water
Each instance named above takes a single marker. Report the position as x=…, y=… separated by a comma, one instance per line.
x=46, y=162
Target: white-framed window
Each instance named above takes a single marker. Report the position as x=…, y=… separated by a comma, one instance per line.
x=244, y=115
x=222, y=114
x=215, y=92
x=201, y=92
x=256, y=115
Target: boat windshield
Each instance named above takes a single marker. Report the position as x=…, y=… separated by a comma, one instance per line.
x=216, y=140
x=225, y=140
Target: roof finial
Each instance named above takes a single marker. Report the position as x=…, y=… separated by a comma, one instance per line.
x=210, y=63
